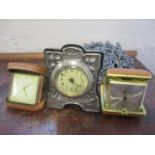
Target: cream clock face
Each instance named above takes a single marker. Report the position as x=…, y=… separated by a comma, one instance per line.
x=72, y=81
x=24, y=88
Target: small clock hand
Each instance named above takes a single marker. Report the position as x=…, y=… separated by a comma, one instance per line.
x=135, y=95
x=75, y=84
x=27, y=86
x=24, y=92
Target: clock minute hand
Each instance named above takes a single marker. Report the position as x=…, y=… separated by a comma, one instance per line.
x=24, y=92
x=76, y=84
x=27, y=86
x=73, y=82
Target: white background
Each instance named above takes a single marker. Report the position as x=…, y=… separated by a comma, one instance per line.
x=35, y=35
x=77, y=145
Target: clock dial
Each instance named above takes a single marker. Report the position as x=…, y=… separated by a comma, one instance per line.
x=24, y=88
x=72, y=81
x=128, y=96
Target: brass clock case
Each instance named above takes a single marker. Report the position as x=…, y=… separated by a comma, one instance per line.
x=123, y=92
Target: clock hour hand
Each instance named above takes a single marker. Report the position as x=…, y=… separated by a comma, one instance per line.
x=73, y=82
x=76, y=84
x=27, y=86
x=24, y=92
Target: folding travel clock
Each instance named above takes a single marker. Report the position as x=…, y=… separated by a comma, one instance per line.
x=73, y=77
x=27, y=86
x=123, y=91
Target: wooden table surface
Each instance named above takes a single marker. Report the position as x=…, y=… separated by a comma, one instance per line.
x=72, y=120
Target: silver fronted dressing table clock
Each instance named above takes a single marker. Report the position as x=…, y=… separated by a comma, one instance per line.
x=73, y=77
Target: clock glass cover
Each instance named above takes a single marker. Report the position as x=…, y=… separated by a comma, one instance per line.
x=71, y=81
x=128, y=97
x=24, y=88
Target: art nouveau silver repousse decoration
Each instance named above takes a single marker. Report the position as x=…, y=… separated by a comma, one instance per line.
x=123, y=91
x=73, y=77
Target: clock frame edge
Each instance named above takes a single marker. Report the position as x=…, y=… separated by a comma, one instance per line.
x=41, y=98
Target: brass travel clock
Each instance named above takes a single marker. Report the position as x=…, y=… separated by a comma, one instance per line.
x=123, y=91
x=73, y=77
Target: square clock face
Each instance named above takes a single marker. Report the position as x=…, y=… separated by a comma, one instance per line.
x=126, y=95
x=24, y=88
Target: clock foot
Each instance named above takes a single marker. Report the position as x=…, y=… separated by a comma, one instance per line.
x=85, y=105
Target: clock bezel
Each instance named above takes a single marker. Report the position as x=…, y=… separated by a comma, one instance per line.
x=72, y=64
x=144, y=86
x=38, y=94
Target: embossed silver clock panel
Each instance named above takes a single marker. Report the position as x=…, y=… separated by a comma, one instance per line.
x=73, y=77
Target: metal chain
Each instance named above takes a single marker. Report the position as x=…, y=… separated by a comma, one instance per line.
x=114, y=57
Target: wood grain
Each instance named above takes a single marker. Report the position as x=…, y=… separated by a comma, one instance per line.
x=39, y=56
x=22, y=56
x=72, y=120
